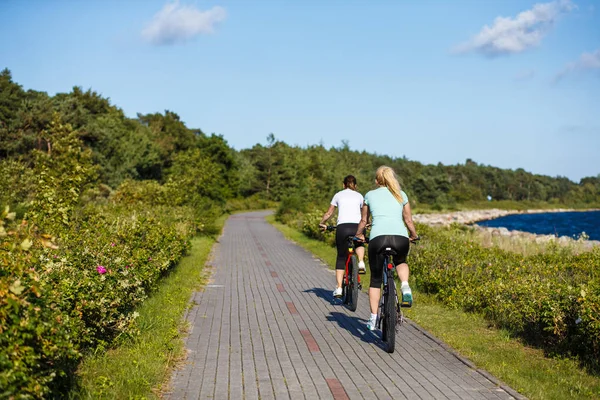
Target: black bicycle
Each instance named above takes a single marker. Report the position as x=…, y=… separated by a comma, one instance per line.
x=390, y=313
x=351, y=282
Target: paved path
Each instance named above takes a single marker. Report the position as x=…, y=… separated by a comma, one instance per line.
x=267, y=327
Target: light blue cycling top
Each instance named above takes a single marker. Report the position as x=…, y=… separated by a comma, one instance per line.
x=386, y=212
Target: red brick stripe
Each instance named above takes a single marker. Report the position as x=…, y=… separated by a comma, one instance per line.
x=280, y=287
x=274, y=274
x=337, y=390
x=292, y=307
x=311, y=343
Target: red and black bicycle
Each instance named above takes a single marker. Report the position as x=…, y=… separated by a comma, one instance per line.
x=351, y=282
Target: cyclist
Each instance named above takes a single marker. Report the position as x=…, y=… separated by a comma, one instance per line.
x=392, y=226
x=349, y=202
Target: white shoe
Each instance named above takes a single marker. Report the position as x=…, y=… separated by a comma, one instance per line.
x=407, y=298
x=337, y=292
x=361, y=267
x=372, y=324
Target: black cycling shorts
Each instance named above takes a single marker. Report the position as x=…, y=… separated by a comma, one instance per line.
x=341, y=233
x=400, y=244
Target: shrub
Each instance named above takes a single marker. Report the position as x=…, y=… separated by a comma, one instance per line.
x=36, y=341
x=63, y=296
x=551, y=299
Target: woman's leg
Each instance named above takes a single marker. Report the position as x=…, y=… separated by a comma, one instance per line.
x=402, y=245
x=340, y=261
x=376, y=265
x=374, y=296
x=360, y=253
x=339, y=277
x=403, y=272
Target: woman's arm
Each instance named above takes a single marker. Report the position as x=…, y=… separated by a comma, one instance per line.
x=364, y=218
x=326, y=216
x=407, y=216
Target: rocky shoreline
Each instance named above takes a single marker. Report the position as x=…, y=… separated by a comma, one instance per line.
x=472, y=216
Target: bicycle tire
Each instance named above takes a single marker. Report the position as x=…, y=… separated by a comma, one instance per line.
x=391, y=316
x=353, y=287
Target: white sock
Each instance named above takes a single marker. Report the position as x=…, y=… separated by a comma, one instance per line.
x=404, y=283
x=373, y=317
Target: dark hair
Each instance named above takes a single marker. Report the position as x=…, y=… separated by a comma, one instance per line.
x=350, y=182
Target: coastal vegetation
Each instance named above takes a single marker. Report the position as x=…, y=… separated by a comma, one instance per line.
x=97, y=209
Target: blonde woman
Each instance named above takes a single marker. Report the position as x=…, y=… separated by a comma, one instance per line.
x=392, y=226
x=349, y=202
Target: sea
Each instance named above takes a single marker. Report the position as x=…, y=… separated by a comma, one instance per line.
x=570, y=223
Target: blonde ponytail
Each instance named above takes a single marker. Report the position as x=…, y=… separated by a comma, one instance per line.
x=387, y=177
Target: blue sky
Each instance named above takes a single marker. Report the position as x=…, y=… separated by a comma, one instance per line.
x=514, y=84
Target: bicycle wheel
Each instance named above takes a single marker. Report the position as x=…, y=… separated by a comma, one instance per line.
x=353, y=287
x=344, y=291
x=391, y=316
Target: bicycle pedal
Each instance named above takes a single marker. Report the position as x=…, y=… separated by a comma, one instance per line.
x=406, y=304
x=360, y=286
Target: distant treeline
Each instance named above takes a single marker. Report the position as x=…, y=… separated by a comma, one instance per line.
x=160, y=147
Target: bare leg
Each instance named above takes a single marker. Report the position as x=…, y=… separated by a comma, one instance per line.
x=339, y=275
x=402, y=270
x=374, y=295
x=360, y=253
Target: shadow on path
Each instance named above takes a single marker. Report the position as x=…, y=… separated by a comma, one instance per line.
x=355, y=325
x=325, y=294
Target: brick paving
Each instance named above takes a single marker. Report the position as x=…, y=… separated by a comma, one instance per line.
x=267, y=327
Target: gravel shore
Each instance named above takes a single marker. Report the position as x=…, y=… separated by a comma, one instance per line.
x=472, y=216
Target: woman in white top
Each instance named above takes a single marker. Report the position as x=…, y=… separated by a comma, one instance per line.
x=349, y=203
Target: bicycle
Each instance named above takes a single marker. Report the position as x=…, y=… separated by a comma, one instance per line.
x=390, y=313
x=351, y=282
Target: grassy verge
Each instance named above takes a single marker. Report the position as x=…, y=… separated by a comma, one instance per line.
x=140, y=367
x=525, y=369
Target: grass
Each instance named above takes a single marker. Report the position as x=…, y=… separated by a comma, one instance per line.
x=523, y=368
x=140, y=367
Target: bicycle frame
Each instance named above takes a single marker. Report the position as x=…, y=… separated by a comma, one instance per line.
x=351, y=251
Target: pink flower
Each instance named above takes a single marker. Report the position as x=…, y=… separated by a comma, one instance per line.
x=112, y=244
x=127, y=266
x=149, y=258
x=101, y=270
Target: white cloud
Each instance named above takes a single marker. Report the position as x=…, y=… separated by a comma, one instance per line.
x=586, y=62
x=177, y=23
x=509, y=35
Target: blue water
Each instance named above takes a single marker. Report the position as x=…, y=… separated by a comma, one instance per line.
x=558, y=223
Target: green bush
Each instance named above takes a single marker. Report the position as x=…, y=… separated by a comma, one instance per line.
x=254, y=202
x=36, y=341
x=61, y=296
x=551, y=299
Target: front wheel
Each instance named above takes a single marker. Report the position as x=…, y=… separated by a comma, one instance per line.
x=390, y=316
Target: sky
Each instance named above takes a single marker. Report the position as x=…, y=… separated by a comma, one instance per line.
x=513, y=84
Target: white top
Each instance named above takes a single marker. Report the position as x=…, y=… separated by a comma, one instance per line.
x=349, y=203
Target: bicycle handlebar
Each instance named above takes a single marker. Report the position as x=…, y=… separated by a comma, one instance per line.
x=366, y=240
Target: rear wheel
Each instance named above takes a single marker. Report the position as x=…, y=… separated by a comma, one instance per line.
x=353, y=287
x=390, y=316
